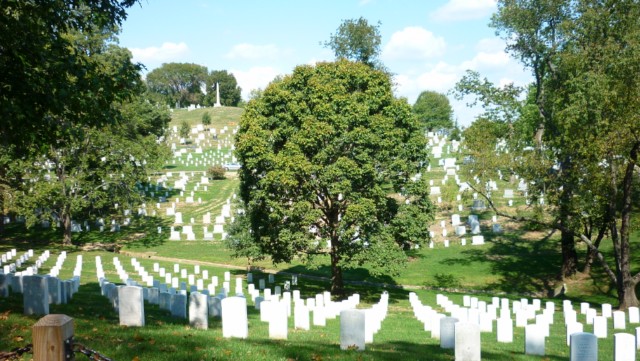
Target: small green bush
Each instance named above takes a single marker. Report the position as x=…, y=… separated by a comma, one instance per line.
x=206, y=118
x=216, y=172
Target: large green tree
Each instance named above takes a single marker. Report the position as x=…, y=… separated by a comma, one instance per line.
x=434, y=111
x=88, y=175
x=42, y=71
x=327, y=158
x=94, y=165
x=178, y=84
x=356, y=40
x=584, y=56
x=230, y=92
x=596, y=97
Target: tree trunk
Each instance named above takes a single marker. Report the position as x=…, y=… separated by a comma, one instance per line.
x=592, y=253
x=627, y=294
x=337, y=283
x=626, y=283
x=1, y=208
x=66, y=223
x=569, y=255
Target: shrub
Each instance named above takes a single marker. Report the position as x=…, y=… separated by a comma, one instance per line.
x=206, y=118
x=216, y=172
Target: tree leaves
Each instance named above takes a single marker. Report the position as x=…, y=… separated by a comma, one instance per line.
x=321, y=149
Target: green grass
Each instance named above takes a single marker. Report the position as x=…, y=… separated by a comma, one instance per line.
x=167, y=338
x=514, y=264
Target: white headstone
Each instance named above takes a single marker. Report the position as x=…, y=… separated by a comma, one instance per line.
x=131, y=306
x=35, y=291
x=505, y=330
x=278, y=321
x=234, y=317
x=634, y=315
x=301, y=316
x=619, y=320
x=584, y=347
x=352, y=330
x=178, y=305
x=198, y=310
x=447, y=332
x=600, y=326
x=467, y=342
x=215, y=307
x=534, y=340
x=624, y=347
x=319, y=317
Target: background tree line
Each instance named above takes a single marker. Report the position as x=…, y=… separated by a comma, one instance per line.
x=183, y=84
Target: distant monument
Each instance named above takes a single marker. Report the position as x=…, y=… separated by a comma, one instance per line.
x=217, y=104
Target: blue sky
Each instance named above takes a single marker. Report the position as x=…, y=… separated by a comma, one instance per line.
x=426, y=44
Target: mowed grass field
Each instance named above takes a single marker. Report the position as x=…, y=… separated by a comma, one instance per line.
x=513, y=264
x=165, y=338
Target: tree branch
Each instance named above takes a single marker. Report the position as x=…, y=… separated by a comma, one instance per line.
x=558, y=226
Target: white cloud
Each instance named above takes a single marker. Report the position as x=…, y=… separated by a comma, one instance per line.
x=494, y=44
x=458, y=10
x=413, y=42
x=166, y=52
x=484, y=60
x=490, y=61
x=440, y=77
x=255, y=52
x=254, y=78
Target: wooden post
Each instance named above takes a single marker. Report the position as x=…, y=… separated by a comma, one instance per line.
x=49, y=336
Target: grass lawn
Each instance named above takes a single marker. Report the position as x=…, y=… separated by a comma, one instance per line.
x=166, y=338
x=514, y=264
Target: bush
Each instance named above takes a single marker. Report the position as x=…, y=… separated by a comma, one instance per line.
x=206, y=118
x=216, y=172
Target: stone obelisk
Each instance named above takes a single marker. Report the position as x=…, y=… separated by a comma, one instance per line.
x=217, y=104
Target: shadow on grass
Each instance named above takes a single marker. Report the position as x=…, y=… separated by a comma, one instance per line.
x=143, y=232
x=318, y=280
x=524, y=267
x=386, y=351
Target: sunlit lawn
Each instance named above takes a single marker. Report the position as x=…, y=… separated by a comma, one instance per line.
x=513, y=264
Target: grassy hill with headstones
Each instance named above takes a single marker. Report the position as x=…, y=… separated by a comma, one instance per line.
x=512, y=265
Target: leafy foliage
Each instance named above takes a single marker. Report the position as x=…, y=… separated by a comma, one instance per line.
x=87, y=175
x=434, y=111
x=206, y=118
x=584, y=56
x=216, y=172
x=184, y=130
x=356, y=40
x=230, y=92
x=47, y=74
x=178, y=84
x=322, y=151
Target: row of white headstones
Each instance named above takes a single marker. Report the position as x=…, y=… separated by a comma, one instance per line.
x=459, y=326
x=358, y=325
x=39, y=291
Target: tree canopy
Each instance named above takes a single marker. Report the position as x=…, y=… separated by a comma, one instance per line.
x=580, y=144
x=327, y=157
x=87, y=176
x=230, y=92
x=44, y=72
x=434, y=111
x=356, y=40
x=178, y=84
x=72, y=125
